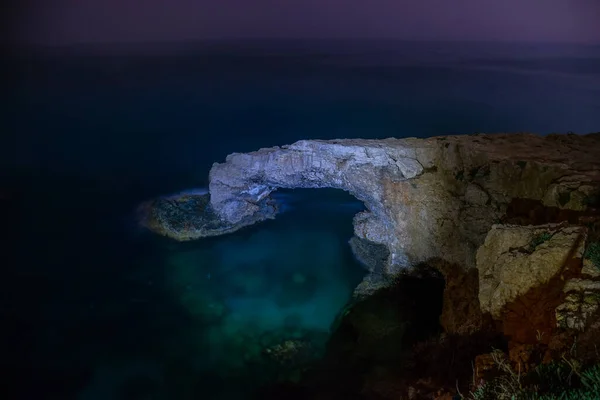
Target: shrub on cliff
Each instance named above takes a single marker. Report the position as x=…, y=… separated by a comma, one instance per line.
x=592, y=253
x=540, y=239
x=588, y=387
x=557, y=381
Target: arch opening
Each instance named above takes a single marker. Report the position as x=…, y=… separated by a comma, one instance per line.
x=279, y=283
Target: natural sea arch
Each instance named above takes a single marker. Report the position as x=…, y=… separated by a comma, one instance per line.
x=425, y=199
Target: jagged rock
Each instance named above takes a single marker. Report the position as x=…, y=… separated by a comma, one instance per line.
x=425, y=198
x=590, y=270
x=190, y=216
x=515, y=259
x=372, y=255
x=581, y=303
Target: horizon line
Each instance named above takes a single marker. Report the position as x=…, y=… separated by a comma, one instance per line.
x=190, y=41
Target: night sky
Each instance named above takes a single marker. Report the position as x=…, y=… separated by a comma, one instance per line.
x=83, y=21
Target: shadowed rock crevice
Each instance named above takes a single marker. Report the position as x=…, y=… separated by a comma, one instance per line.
x=534, y=212
x=461, y=311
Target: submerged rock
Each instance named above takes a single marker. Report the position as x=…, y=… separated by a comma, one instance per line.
x=191, y=216
x=290, y=352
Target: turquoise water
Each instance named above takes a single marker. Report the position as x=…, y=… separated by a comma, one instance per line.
x=289, y=277
x=97, y=308
x=122, y=306
x=236, y=296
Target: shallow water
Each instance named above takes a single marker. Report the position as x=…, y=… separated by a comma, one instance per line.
x=294, y=273
x=97, y=307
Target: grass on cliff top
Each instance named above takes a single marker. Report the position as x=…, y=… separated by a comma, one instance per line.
x=556, y=381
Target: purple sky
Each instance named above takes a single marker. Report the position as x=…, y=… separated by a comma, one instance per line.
x=72, y=21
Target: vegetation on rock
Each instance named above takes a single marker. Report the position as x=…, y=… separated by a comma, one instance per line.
x=592, y=253
x=564, y=380
x=540, y=239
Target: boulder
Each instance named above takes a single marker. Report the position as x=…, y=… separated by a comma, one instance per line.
x=516, y=259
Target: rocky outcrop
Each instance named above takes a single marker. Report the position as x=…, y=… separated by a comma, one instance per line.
x=425, y=198
x=540, y=282
x=188, y=216
x=581, y=304
x=515, y=259
x=550, y=267
x=582, y=297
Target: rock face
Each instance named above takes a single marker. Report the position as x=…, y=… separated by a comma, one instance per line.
x=515, y=259
x=537, y=278
x=582, y=299
x=581, y=303
x=425, y=198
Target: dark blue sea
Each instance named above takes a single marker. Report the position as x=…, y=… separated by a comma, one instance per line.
x=93, y=307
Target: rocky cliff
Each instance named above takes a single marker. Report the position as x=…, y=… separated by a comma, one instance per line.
x=511, y=222
x=425, y=198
